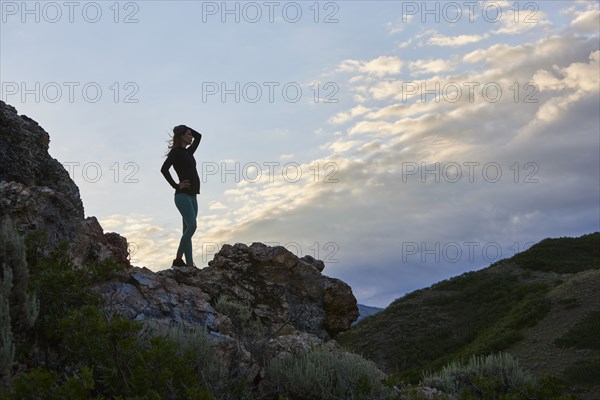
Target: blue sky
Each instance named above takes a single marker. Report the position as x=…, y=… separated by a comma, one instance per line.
x=438, y=142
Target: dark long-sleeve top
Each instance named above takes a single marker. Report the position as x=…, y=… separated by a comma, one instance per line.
x=182, y=159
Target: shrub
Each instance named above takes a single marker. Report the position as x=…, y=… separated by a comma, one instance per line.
x=195, y=346
x=127, y=359
x=569, y=303
x=61, y=288
x=583, y=335
x=456, y=376
x=324, y=374
x=584, y=372
x=247, y=328
x=7, y=347
x=240, y=313
x=496, y=376
x=18, y=310
x=562, y=255
x=112, y=357
x=41, y=384
x=23, y=307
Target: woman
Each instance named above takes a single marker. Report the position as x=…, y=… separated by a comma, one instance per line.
x=182, y=159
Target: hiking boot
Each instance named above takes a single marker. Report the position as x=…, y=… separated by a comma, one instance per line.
x=178, y=262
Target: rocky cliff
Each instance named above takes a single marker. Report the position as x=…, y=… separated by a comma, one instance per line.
x=38, y=194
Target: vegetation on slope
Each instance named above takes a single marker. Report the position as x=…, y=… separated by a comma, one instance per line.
x=564, y=255
x=474, y=314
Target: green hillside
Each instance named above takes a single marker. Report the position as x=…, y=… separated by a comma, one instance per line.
x=541, y=306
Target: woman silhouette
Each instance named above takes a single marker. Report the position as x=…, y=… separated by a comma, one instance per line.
x=182, y=159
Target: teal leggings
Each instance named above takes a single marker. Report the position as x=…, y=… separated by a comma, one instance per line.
x=188, y=208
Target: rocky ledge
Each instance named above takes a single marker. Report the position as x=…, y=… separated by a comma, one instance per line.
x=279, y=287
x=295, y=307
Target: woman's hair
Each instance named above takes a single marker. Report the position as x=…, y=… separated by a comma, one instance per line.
x=175, y=140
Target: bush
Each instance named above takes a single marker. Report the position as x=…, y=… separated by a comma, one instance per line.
x=322, y=374
x=584, y=372
x=18, y=309
x=496, y=376
x=79, y=352
x=7, y=347
x=457, y=377
x=129, y=360
x=240, y=314
x=247, y=328
x=562, y=255
x=583, y=335
x=41, y=384
x=61, y=288
x=24, y=307
x=196, y=347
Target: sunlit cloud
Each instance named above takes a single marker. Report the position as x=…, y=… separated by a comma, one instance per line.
x=421, y=67
x=455, y=41
x=217, y=205
x=380, y=66
x=343, y=117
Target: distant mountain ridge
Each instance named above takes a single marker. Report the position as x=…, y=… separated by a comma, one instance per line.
x=365, y=311
x=529, y=305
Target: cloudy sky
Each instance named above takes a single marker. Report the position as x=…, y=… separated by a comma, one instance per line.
x=400, y=142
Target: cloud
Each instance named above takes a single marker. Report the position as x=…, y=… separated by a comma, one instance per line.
x=405, y=44
x=380, y=66
x=382, y=89
x=422, y=67
x=398, y=27
x=527, y=58
x=216, y=205
x=587, y=21
x=455, y=41
x=577, y=76
x=520, y=18
x=340, y=145
x=343, y=117
x=146, y=241
x=370, y=147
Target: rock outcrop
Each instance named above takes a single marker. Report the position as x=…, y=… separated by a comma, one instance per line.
x=297, y=307
x=38, y=194
x=279, y=287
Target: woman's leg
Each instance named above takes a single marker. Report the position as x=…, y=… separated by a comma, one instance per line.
x=179, y=252
x=184, y=203
x=195, y=205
